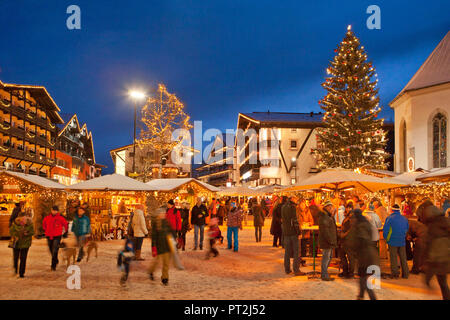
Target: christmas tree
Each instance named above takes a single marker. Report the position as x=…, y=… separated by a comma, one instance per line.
x=352, y=136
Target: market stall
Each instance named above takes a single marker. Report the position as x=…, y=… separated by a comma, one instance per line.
x=34, y=191
x=111, y=200
x=181, y=189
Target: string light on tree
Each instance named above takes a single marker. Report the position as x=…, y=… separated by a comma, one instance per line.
x=351, y=106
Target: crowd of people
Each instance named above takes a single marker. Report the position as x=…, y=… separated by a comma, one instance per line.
x=345, y=228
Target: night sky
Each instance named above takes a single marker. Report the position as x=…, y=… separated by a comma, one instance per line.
x=220, y=57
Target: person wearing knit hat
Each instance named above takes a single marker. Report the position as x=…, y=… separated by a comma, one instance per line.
x=327, y=238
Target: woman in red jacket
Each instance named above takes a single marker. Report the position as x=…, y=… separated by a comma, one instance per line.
x=54, y=225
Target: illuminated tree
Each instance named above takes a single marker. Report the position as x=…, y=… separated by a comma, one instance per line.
x=162, y=114
x=352, y=136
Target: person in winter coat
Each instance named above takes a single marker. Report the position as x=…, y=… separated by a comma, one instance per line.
x=22, y=231
x=213, y=234
x=139, y=231
x=160, y=245
x=380, y=210
x=54, y=225
x=173, y=216
x=304, y=217
x=291, y=231
x=375, y=221
x=19, y=207
x=347, y=255
x=420, y=212
x=446, y=207
x=437, y=257
x=234, y=223
x=185, y=227
x=275, y=227
x=258, y=220
x=327, y=238
x=417, y=232
x=81, y=227
x=394, y=232
x=221, y=213
x=199, y=213
x=365, y=251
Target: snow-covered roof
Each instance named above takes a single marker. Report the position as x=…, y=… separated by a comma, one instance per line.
x=115, y=182
x=436, y=174
x=406, y=177
x=37, y=180
x=435, y=70
x=172, y=184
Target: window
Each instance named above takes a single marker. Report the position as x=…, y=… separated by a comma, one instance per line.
x=293, y=144
x=293, y=130
x=439, y=141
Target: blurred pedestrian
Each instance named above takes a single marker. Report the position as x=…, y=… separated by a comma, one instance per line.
x=291, y=232
x=417, y=232
x=437, y=248
x=213, y=235
x=275, y=227
x=21, y=232
x=258, y=220
x=327, y=238
x=55, y=226
x=365, y=252
x=140, y=231
x=198, y=220
x=347, y=255
x=124, y=260
x=160, y=246
x=81, y=227
x=394, y=231
x=185, y=227
x=234, y=224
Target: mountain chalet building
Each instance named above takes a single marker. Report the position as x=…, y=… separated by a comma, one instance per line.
x=32, y=138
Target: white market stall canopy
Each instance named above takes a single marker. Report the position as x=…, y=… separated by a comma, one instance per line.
x=408, y=178
x=36, y=180
x=342, y=180
x=167, y=185
x=436, y=175
x=242, y=191
x=111, y=182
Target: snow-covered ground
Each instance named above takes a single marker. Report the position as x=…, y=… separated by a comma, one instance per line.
x=255, y=272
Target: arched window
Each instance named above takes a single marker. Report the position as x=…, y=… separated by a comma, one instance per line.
x=439, y=141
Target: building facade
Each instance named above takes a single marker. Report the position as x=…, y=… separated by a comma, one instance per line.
x=422, y=110
x=220, y=167
x=28, y=129
x=75, y=157
x=147, y=164
x=275, y=147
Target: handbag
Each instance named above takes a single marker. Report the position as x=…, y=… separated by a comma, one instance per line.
x=13, y=242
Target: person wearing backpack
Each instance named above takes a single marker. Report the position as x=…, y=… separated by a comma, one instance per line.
x=437, y=259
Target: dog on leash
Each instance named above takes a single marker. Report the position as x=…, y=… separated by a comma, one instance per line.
x=92, y=245
x=68, y=253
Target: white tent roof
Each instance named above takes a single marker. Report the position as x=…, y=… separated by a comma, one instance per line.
x=406, y=178
x=114, y=181
x=341, y=179
x=439, y=173
x=171, y=184
x=240, y=191
x=37, y=180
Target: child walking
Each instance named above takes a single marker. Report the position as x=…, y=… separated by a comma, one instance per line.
x=213, y=234
x=124, y=260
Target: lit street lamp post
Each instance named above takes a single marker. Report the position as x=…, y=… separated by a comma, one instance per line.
x=135, y=95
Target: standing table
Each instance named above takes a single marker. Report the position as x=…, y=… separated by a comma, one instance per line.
x=313, y=274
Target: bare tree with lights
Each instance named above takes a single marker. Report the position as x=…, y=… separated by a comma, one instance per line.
x=352, y=136
x=162, y=114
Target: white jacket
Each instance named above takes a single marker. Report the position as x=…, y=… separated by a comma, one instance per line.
x=375, y=221
x=138, y=224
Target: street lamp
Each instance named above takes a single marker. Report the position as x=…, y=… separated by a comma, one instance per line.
x=294, y=164
x=136, y=96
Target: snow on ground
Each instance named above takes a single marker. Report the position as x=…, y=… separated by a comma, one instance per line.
x=255, y=272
